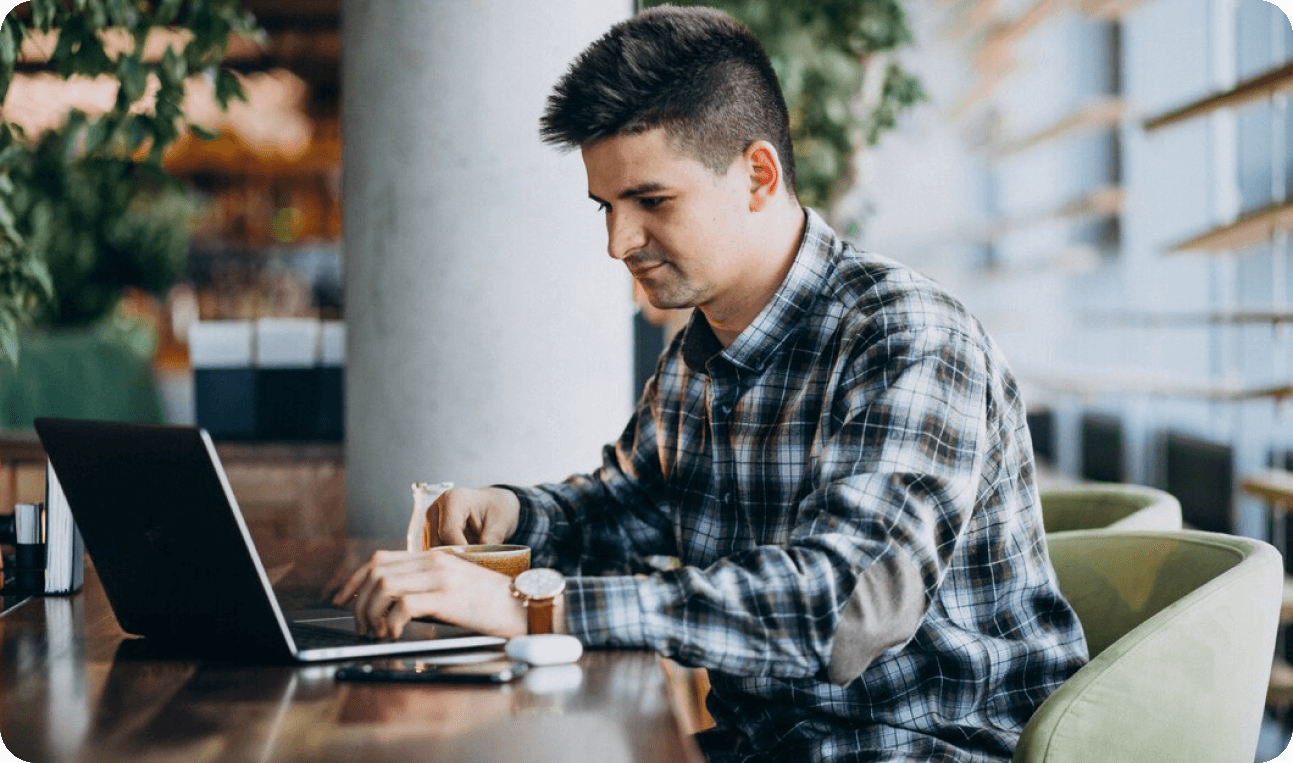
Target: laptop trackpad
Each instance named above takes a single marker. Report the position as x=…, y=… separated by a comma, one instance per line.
x=342, y=621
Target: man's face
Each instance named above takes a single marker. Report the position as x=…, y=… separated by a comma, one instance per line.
x=677, y=226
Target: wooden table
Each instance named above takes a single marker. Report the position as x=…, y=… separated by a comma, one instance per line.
x=74, y=687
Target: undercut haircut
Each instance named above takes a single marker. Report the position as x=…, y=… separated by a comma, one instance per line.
x=695, y=72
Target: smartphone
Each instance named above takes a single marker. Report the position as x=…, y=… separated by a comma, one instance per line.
x=413, y=670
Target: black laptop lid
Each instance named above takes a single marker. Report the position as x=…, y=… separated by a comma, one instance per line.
x=164, y=538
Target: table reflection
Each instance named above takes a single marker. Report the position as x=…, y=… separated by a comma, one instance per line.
x=74, y=687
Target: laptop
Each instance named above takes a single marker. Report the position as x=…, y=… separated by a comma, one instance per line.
x=165, y=534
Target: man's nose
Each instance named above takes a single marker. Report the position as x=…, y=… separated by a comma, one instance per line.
x=624, y=235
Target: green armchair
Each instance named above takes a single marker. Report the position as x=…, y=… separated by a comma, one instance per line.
x=1181, y=627
x=1110, y=506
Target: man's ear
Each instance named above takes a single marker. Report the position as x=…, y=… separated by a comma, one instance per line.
x=765, y=173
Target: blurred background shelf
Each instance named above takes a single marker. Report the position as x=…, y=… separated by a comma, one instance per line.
x=1186, y=319
x=1100, y=114
x=1262, y=86
x=1004, y=35
x=1251, y=229
x=1104, y=201
x=1274, y=485
x=1085, y=384
x=1108, y=10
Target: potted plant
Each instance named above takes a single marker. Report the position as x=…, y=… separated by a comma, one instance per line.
x=87, y=210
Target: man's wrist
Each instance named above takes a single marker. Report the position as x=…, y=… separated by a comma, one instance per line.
x=523, y=519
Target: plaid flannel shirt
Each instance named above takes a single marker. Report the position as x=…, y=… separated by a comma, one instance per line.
x=849, y=488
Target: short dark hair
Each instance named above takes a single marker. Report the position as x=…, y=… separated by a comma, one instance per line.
x=695, y=72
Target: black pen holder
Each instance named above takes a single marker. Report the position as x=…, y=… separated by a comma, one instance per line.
x=29, y=567
x=29, y=549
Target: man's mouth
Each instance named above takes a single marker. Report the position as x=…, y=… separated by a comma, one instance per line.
x=639, y=269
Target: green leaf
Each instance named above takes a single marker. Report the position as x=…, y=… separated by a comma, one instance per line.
x=64, y=50
x=138, y=130
x=97, y=14
x=16, y=30
x=12, y=154
x=76, y=121
x=8, y=226
x=167, y=10
x=9, y=318
x=227, y=88
x=10, y=44
x=139, y=35
x=173, y=66
x=90, y=58
x=167, y=108
x=99, y=133
x=43, y=14
x=133, y=75
x=9, y=345
x=121, y=13
x=40, y=278
x=202, y=133
x=164, y=134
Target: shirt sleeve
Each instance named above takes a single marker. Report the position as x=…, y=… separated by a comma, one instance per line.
x=893, y=491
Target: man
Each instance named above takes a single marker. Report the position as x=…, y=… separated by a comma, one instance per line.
x=833, y=449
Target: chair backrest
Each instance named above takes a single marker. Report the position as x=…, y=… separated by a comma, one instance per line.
x=1110, y=506
x=1181, y=627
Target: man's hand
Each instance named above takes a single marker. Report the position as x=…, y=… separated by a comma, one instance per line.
x=393, y=587
x=485, y=515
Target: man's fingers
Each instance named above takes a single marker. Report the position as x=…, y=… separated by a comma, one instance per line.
x=376, y=594
x=445, y=587
x=492, y=531
x=379, y=561
x=453, y=523
x=395, y=619
x=406, y=608
x=421, y=583
x=374, y=602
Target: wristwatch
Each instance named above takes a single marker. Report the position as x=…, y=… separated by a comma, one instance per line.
x=538, y=589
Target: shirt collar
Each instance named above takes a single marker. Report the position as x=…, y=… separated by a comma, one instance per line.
x=754, y=347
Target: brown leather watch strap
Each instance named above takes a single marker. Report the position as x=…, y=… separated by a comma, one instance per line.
x=538, y=615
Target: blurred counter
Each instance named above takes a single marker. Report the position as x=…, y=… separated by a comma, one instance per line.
x=286, y=490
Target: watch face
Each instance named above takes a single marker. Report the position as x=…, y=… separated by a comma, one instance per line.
x=540, y=583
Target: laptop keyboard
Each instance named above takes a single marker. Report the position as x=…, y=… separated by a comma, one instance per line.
x=309, y=636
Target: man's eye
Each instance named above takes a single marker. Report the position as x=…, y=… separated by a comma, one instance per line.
x=603, y=207
x=650, y=202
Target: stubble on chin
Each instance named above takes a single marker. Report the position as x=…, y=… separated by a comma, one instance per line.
x=667, y=294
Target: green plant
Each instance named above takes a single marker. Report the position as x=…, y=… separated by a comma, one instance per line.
x=103, y=223
x=88, y=209
x=820, y=50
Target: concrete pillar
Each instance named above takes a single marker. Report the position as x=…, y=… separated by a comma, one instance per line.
x=488, y=334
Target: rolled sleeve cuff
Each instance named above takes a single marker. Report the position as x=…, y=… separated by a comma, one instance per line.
x=532, y=524
x=608, y=611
